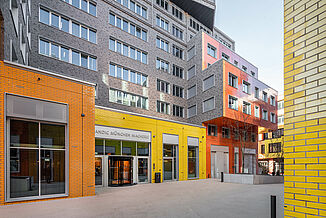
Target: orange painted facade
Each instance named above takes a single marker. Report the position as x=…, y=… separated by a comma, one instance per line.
x=79, y=96
x=230, y=116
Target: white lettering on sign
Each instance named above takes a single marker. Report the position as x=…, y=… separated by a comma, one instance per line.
x=122, y=134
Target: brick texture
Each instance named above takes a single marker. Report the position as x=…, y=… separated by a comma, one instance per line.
x=80, y=99
x=305, y=109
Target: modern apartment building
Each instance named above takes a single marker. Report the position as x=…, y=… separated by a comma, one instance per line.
x=161, y=70
x=225, y=95
x=304, y=108
x=271, y=145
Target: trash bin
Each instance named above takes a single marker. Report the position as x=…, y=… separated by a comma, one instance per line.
x=157, y=177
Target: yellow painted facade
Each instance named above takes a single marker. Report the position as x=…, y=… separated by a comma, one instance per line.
x=157, y=127
x=305, y=108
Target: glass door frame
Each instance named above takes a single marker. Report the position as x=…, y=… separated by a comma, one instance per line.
x=175, y=167
x=131, y=158
x=136, y=180
x=103, y=169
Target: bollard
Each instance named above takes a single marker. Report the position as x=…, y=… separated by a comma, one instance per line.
x=222, y=177
x=273, y=206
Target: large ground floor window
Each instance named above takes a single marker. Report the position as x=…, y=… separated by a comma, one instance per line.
x=37, y=163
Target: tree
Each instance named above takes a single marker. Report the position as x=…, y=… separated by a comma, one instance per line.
x=240, y=127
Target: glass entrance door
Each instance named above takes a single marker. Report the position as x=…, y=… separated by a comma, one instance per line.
x=98, y=171
x=170, y=162
x=120, y=170
x=142, y=169
x=168, y=169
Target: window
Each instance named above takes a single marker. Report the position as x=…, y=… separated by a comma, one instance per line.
x=65, y=25
x=275, y=147
x=162, y=23
x=273, y=118
x=191, y=52
x=192, y=111
x=244, y=68
x=233, y=80
x=257, y=111
x=87, y=6
x=44, y=16
x=162, y=65
x=54, y=20
x=128, y=75
x=164, y=4
x=192, y=91
x=134, y=7
x=128, y=99
x=44, y=47
x=235, y=63
x=246, y=87
x=280, y=105
x=177, y=71
x=262, y=149
x=225, y=56
x=177, y=111
x=208, y=82
x=211, y=130
x=80, y=59
x=265, y=136
x=233, y=102
x=211, y=50
x=191, y=72
x=128, y=51
x=76, y=28
x=177, y=91
x=225, y=132
x=253, y=73
x=177, y=32
x=246, y=108
x=265, y=99
x=177, y=13
x=37, y=140
x=272, y=101
x=178, y=52
x=162, y=44
x=124, y=25
x=193, y=162
x=257, y=92
x=163, y=86
x=280, y=119
x=253, y=137
x=208, y=104
x=163, y=107
x=265, y=114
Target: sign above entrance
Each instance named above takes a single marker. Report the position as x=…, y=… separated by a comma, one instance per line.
x=122, y=134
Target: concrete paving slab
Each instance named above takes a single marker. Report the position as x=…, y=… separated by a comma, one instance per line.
x=199, y=198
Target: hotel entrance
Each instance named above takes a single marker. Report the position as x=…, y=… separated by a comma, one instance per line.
x=120, y=171
x=122, y=156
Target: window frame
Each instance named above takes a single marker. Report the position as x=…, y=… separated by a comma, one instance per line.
x=39, y=149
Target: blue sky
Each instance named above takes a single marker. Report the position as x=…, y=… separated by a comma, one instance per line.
x=256, y=26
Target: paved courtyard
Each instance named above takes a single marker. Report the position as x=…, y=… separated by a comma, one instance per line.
x=201, y=198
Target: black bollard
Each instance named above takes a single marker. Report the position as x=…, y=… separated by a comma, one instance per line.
x=273, y=206
x=222, y=177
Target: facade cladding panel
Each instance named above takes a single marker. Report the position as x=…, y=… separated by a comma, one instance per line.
x=304, y=109
x=78, y=98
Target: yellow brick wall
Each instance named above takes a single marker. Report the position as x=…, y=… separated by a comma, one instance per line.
x=80, y=99
x=305, y=108
x=107, y=117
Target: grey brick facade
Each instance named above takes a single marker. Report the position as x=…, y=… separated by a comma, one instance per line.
x=104, y=56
